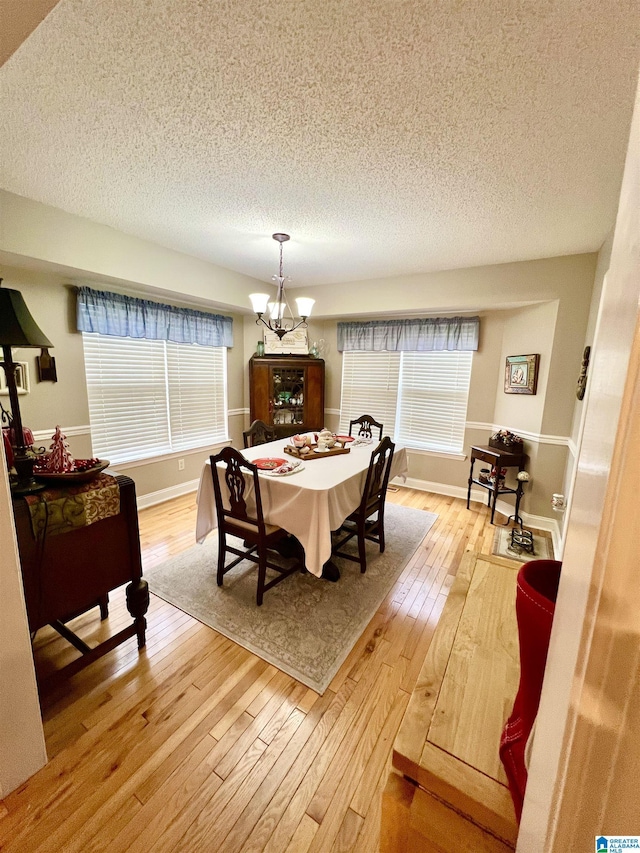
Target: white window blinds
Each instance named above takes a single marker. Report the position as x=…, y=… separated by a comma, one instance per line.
x=370, y=387
x=147, y=397
x=432, y=400
x=420, y=397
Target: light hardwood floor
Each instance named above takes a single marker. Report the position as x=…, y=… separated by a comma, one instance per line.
x=198, y=745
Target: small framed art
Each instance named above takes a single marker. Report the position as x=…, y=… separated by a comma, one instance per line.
x=521, y=374
x=22, y=378
x=293, y=343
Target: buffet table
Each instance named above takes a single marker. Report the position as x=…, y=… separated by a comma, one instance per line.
x=76, y=544
x=309, y=503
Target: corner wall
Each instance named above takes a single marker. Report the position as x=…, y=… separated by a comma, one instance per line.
x=555, y=328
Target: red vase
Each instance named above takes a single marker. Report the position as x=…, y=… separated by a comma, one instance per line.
x=536, y=593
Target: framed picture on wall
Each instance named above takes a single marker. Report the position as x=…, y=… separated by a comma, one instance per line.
x=22, y=378
x=293, y=343
x=521, y=374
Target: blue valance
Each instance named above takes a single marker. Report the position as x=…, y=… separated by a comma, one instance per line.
x=128, y=317
x=439, y=333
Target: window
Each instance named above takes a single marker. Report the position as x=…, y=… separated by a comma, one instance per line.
x=148, y=398
x=420, y=397
x=370, y=387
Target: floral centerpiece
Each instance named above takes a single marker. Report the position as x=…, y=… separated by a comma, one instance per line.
x=506, y=438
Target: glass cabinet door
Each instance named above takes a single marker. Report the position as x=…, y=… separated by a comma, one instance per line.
x=286, y=403
x=287, y=392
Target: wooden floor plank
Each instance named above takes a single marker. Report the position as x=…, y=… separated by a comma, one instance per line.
x=378, y=759
x=196, y=744
x=214, y=823
x=303, y=836
x=272, y=814
x=262, y=797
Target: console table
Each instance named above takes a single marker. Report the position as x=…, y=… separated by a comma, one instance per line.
x=500, y=458
x=67, y=574
x=447, y=791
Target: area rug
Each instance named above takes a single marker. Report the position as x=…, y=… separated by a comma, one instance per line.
x=305, y=626
x=502, y=547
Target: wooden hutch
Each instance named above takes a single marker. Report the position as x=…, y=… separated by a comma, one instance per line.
x=287, y=392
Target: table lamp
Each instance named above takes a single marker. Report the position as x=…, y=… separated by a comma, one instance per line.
x=18, y=329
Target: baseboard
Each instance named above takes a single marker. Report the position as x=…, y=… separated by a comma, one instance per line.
x=162, y=495
x=539, y=522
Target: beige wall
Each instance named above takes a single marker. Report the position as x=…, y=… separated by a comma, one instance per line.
x=52, y=305
x=51, y=300
x=532, y=328
x=514, y=285
x=22, y=747
x=537, y=306
x=580, y=406
x=34, y=233
x=525, y=331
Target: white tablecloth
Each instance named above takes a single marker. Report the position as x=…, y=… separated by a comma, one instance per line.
x=310, y=503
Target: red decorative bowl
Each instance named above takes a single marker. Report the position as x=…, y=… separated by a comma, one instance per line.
x=69, y=477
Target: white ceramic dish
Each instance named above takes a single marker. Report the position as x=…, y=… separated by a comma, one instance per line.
x=284, y=473
x=321, y=449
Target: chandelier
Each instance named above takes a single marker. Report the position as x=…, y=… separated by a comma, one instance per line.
x=277, y=322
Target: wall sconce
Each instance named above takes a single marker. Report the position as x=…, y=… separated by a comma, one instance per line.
x=46, y=366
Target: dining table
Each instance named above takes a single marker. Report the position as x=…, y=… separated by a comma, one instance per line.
x=308, y=502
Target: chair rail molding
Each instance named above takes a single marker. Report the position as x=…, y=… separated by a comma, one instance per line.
x=540, y=438
x=47, y=434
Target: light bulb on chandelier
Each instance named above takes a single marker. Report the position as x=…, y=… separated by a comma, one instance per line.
x=277, y=322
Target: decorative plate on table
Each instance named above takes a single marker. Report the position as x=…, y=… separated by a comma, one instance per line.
x=297, y=467
x=268, y=463
x=343, y=438
x=72, y=476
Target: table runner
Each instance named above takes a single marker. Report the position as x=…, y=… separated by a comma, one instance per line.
x=59, y=509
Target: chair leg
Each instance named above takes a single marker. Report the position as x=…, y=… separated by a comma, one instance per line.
x=381, y=530
x=262, y=574
x=222, y=543
x=362, y=546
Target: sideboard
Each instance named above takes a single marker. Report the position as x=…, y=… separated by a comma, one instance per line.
x=68, y=574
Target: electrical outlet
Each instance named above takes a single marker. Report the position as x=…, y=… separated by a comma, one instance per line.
x=180, y=464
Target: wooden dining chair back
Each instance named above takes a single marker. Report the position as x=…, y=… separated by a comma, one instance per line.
x=360, y=523
x=366, y=426
x=258, y=433
x=237, y=516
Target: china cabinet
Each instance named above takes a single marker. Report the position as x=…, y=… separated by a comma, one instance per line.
x=287, y=392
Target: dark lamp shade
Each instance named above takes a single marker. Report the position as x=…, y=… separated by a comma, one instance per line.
x=17, y=326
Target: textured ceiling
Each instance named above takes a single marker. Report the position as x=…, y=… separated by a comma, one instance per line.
x=387, y=137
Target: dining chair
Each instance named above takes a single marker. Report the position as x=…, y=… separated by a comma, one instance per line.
x=366, y=426
x=258, y=433
x=234, y=519
x=360, y=523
